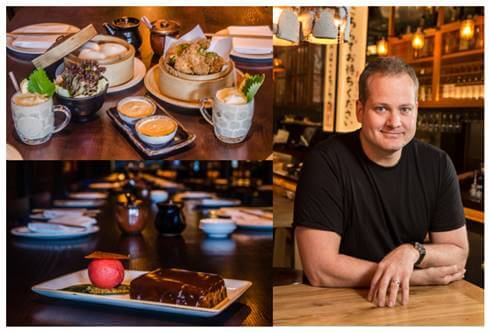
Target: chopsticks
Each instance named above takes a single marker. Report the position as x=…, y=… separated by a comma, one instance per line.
x=257, y=214
x=237, y=36
x=63, y=224
x=88, y=213
x=36, y=33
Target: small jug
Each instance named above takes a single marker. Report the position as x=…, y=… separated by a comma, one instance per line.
x=169, y=220
x=126, y=28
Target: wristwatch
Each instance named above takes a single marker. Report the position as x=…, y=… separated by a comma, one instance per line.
x=422, y=252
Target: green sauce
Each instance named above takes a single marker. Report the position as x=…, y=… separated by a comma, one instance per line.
x=91, y=289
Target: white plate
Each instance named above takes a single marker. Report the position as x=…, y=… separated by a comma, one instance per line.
x=192, y=195
x=264, y=57
x=88, y=195
x=78, y=203
x=210, y=202
x=23, y=231
x=235, y=288
x=137, y=76
x=105, y=185
x=36, y=51
x=151, y=82
x=13, y=153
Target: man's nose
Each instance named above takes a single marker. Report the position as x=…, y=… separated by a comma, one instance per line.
x=394, y=119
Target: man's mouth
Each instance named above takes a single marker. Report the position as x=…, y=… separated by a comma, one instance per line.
x=391, y=133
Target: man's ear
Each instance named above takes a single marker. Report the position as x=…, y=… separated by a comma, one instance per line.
x=359, y=111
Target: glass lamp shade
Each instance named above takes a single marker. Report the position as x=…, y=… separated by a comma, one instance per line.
x=382, y=47
x=467, y=28
x=288, y=29
x=418, y=40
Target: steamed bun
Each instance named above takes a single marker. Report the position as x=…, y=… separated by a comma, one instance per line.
x=111, y=49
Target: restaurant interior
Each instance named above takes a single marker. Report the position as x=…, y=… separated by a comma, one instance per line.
x=315, y=90
x=212, y=217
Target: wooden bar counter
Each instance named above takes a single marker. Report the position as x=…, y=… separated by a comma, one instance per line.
x=460, y=303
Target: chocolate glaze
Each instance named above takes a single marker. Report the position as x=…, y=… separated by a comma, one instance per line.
x=177, y=286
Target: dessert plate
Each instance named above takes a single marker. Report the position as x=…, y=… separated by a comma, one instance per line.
x=235, y=288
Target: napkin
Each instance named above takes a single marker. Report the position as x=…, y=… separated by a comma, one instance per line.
x=51, y=28
x=39, y=41
x=220, y=45
x=53, y=213
x=36, y=42
x=252, y=45
x=47, y=228
x=82, y=221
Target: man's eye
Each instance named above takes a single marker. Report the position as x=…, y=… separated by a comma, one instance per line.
x=380, y=108
x=406, y=109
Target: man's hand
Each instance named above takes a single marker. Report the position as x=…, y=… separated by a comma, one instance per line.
x=442, y=275
x=393, y=272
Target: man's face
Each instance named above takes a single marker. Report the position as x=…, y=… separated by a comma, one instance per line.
x=388, y=117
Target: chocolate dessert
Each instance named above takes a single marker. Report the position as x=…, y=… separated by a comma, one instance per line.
x=175, y=286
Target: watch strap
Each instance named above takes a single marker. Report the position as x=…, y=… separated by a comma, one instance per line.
x=422, y=252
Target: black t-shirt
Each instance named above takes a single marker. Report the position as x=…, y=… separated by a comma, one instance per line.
x=373, y=208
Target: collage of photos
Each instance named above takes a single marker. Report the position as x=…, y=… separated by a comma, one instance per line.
x=244, y=166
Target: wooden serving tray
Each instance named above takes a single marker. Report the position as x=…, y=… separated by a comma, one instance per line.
x=182, y=139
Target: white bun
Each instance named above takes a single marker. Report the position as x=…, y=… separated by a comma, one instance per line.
x=111, y=49
x=87, y=54
x=91, y=46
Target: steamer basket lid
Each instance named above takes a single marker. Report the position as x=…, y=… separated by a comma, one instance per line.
x=65, y=46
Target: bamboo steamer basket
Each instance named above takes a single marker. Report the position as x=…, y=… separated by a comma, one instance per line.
x=192, y=88
x=119, y=69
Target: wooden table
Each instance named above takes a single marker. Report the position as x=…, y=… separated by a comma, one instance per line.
x=460, y=303
x=246, y=255
x=99, y=139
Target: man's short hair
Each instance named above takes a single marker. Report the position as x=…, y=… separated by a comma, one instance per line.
x=385, y=66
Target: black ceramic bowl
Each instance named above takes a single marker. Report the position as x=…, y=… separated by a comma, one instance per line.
x=83, y=109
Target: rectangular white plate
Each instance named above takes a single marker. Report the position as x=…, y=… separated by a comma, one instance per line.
x=235, y=288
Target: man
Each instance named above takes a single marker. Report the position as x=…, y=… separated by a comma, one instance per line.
x=366, y=200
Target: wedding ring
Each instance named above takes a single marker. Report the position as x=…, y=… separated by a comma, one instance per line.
x=395, y=281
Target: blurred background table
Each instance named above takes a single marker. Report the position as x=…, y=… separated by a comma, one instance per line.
x=245, y=255
x=99, y=139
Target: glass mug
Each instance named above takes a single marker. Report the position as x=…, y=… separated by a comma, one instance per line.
x=34, y=123
x=231, y=122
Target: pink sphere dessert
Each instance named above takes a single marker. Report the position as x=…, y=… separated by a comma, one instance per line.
x=106, y=273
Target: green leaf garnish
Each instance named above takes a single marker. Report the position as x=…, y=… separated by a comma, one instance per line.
x=91, y=289
x=250, y=85
x=40, y=83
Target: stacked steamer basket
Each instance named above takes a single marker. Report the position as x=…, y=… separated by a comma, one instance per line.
x=192, y=88
x=119, y=67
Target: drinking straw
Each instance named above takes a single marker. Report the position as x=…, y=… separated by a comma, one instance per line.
x=147, y=22
x=14, y=81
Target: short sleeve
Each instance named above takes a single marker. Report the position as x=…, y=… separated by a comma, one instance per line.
x=449, y=210
x=319, y=199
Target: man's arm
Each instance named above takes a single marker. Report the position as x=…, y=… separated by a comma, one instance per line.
x=447, y=248
x=324, y=266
